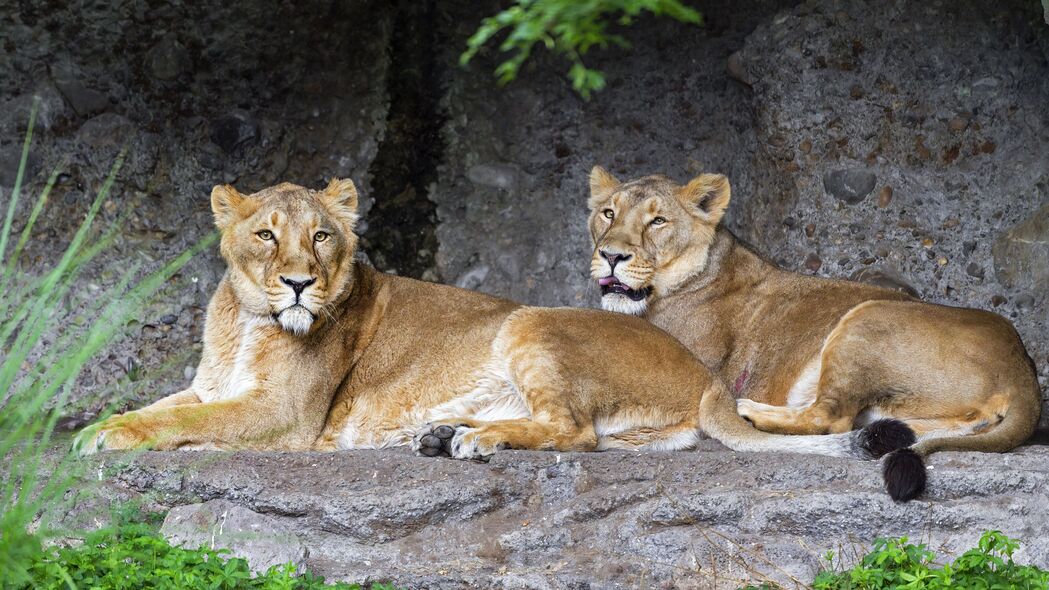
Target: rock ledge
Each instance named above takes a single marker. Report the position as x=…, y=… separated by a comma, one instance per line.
x=704, y=519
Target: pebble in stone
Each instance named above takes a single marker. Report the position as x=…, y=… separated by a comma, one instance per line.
x=974, y=270
x=885, y=197
x=813, y=262
x=850, y=185
x=169, y=318
x=957, y=124
x=736, y=70
x=168, y=58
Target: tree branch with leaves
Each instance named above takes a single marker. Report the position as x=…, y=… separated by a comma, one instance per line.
x=569, y=28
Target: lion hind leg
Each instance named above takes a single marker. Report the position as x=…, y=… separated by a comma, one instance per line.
x=960, y=420
x=670, y=438
x=520, y=403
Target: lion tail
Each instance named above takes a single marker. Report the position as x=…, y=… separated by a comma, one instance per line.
x=720, y=420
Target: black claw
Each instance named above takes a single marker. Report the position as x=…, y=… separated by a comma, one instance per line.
x=444, y=432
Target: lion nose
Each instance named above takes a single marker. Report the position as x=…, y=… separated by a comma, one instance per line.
x=298, y=286
x=614, y=258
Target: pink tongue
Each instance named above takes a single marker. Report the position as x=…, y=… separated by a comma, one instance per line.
x=607, y=281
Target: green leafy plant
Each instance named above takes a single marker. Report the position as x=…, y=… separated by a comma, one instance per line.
x=567, y=27
x=37, y=371
x=134, y=556
x=897, y=564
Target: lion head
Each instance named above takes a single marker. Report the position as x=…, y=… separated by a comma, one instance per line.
x=289, y=249
x=650, y=234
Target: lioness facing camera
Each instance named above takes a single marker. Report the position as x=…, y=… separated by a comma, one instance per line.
x=304, y=348
x=808, y=355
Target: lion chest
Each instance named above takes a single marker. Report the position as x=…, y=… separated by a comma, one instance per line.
x=238, y=374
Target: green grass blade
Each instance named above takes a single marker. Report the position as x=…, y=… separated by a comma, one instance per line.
x=6, y=231
x=24, y=238
x=43, y=305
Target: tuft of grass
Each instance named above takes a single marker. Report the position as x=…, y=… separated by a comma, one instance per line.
x=896, y=564
x=134, y=556
x=37, y=377
x=569, y=28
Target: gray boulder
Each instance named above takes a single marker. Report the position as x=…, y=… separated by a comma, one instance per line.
x=262, y=540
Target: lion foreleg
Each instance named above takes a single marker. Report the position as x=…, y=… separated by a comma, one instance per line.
x=186, y=396
x=240, y=423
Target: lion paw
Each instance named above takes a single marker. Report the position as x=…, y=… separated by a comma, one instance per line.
x=459, y=441
x=747, y=408
x=434, y=440
x=107, y=435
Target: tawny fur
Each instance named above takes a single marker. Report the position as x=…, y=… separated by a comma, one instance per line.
x=839, y=353
x=367, y=360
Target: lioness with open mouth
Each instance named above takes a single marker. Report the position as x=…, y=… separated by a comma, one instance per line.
x=806, y=355
x=306, y=348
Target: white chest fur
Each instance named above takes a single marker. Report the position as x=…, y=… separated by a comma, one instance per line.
x=241, y=377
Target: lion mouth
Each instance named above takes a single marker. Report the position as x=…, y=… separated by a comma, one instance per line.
x=295, y=309
x=296, y=319
x=612, y=286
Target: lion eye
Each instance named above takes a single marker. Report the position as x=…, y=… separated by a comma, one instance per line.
x=265, y=234
x=659, y=221
x=608, y=213
x=320, y=236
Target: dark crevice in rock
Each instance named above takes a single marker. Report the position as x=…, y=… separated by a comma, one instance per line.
x=401, y=234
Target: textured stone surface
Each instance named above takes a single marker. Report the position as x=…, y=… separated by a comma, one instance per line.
x=703, y=519
x=1021, y=255
x=261, y=539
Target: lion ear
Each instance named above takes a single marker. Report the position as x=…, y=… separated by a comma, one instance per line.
x=229, y=206
x=341, y=196
x=602, y=184
x=707, y=195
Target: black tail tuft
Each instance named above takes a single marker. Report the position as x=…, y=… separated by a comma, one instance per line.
x=904, y=474
x=884, y=436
